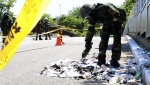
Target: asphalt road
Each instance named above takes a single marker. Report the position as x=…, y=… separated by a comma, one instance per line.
x=32, y=56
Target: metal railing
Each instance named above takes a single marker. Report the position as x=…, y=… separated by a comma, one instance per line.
x=139, y=19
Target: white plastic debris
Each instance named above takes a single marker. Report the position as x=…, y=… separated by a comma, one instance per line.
x=95, y=54
x=113, y=80
x=48, y=72
x=62, y=74
x=88, y=69
x=148, y=53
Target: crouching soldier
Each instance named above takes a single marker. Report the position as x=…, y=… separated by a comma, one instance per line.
x=109, y=16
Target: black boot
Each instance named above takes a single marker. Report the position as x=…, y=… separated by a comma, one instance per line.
x=88, y=47
x=36, y=38
x=3, y=40
x=101, y=59
x=40, y=38
x=114, y=63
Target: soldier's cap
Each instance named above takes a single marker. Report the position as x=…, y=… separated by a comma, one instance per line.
x=85, y=10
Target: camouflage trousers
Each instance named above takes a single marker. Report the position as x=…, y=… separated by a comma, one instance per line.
x=106, y=31
x=5, y=33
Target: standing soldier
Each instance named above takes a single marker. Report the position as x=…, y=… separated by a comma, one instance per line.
x=47, y=29
x=111, y=18
x=38, y=29
x=6, y=24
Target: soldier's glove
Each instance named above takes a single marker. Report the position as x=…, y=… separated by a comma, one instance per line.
x=90, y=20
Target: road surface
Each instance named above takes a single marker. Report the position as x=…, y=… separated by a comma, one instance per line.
x=32, y=56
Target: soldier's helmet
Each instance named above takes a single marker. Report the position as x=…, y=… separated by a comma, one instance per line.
x=6, y=14
x=85, y=10
x=45, y=20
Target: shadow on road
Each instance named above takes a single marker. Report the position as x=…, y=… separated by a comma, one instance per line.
x=90, y=82
x=124, y=47
x=34, y=49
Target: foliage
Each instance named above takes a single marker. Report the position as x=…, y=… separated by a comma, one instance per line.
x=60, y=19
x=5, y=6
x=127, y=6
x=74, y=20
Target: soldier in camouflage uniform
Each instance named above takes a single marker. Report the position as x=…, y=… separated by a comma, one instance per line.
x=38, y=29
x=109, y=16
x=47, y=29
x=6, y=24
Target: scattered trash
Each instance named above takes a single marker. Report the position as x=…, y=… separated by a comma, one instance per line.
x=95, y=54
x=88, y=69
x=148, y=53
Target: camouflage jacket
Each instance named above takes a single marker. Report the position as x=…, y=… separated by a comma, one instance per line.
x=6, y=24
x=39, y=27
x=101, y=14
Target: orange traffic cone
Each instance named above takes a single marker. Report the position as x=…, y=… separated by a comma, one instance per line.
x=58, y=41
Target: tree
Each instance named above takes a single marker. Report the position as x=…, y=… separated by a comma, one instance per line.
x=73, y=20
x=5, y=6
x=60, y=19
x=127, y=6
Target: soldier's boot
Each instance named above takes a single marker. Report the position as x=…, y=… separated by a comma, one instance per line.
x=49, y=38
x=101, y=59
x=46, y=38
x=3, y=40
x=40, y=37
x=114, y=63
x=88, y=47
x=36, y=38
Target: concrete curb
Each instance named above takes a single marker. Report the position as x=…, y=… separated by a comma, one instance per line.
x=141, y=58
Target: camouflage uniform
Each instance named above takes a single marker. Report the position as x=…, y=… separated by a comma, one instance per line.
x=38, y=29
x=108, y=15
x=47, y=29
x=6, y=24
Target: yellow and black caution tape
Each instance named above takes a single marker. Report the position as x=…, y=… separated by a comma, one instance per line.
x=63, y=29
x=28, y=17
x=79, y=29
x=47, y=32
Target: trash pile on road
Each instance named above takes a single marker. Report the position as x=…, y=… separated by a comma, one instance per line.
x=148, y=53
x=88, y=69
